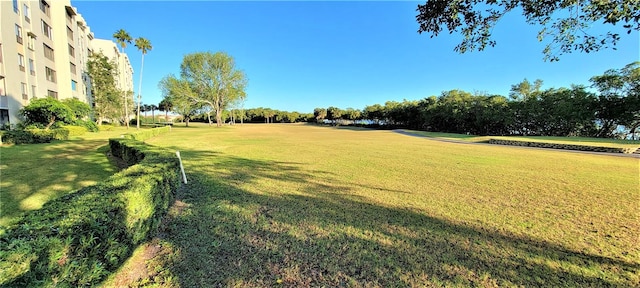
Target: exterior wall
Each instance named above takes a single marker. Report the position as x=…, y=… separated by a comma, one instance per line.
x=54, y=37
x=108, y=48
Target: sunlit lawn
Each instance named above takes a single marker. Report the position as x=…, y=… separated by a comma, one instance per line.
x=31, y=175
x=300, y=205
x=601, y=142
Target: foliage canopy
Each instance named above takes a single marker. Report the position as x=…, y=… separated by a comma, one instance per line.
x=565, y=22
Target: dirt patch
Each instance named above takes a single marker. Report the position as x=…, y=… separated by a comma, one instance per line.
x=136, y=268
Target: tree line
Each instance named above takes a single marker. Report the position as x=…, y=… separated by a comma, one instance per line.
x=611, y=109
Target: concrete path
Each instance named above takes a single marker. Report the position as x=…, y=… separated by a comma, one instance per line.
x=513, y=146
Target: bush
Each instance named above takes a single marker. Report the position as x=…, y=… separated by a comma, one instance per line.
x=88, y=124
x=78, y=239
x=28, y=136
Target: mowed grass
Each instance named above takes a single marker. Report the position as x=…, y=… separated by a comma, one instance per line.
x=299, y=205
x=32, y=175
x=600, y=142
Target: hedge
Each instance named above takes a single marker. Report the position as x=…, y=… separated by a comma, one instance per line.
x=563, y=146
x=80, y=238
x=34, y=136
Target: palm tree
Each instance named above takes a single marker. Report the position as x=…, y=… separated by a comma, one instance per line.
x=123, y=37
x=166, y=106
x=144, y=46
x=153, y=109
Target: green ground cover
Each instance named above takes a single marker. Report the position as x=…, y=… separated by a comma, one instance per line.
x=300, y=205
x=36, y=173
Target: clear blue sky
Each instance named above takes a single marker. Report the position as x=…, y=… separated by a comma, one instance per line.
x=302, y=55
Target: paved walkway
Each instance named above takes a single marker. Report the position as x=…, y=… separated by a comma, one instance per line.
x=521, y=147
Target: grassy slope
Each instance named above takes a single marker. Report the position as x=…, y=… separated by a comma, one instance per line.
x=312, y=206
x=34, y=174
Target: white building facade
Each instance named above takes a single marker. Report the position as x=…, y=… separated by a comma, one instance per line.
x=44, y=49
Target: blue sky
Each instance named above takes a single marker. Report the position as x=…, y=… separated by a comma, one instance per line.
x=302, y=55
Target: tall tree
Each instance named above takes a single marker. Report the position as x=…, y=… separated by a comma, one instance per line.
x=320, y=114
x=153, y=109
x=165, y=105
x=144, y=46
x=475, y=19
x=103, y=86
x=178, y=92
x=619, y=99
x=123, y=38
x=215, y=79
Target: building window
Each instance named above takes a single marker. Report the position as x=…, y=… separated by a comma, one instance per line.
x=25, y=11
x=23, y=89
x=21, y=62
x=72, y=51
x=73, y=68
x=15, y=6
x=50, y=74
x=18, y=33
x=52, y=94
x=46, y=29
x=32, y=67
x=33, y=92
x=44, y=6
x=31, y=40
x=73, y=85
x=48, y=52
x=69, y=33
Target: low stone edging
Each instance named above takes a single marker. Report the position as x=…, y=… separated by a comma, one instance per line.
x=563, y=146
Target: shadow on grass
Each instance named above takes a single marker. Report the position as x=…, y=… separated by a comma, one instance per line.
x=320, y=235
x=36, y=173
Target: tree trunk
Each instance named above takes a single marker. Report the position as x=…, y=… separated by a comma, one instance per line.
x=140, y=91
x=218, y=117
x=52, y=120
x=126, y=109
x=186, y=120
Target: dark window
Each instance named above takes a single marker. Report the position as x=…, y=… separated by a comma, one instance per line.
x=52, y=93
x=32, y=67
x=51, y=74
x=46, y=29
x=18, y=33
x=44, y=6
x=48, y=52
x=23, y=89
x=21, y=62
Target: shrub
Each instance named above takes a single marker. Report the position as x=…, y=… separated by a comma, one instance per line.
x=47, y=111
x=78, y=239
x=105, y=128
x=88, y=124
x=30, y=136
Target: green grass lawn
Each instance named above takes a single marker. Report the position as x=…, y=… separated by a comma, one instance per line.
x=34, y=174
x=600, y=142
x=298, y=205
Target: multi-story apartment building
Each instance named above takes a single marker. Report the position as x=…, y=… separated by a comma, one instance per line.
x=124, y=79
x=44, y=49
